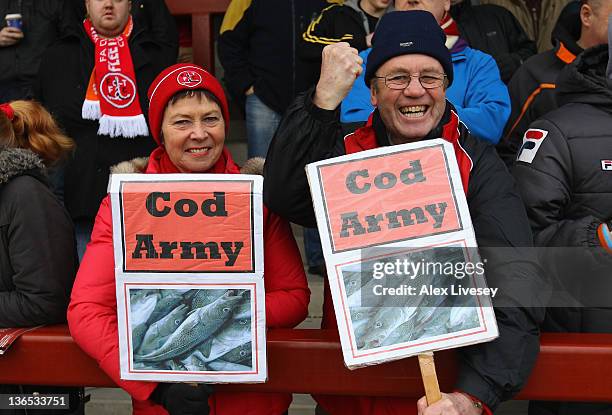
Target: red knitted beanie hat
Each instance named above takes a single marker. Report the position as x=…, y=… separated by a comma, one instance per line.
x=180, y=77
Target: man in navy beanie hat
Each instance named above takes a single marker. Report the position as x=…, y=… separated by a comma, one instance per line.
x=408, y=72
x=477, y=92
x=420, y=33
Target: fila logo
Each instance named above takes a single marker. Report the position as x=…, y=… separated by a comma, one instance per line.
x=606, y=165
x=532, y=140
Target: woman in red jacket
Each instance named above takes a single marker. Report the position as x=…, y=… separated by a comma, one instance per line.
x=188, y=117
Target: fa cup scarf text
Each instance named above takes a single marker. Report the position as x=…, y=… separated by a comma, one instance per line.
x=112, y=95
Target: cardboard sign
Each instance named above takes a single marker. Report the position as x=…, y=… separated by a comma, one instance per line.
x=173, y=329
x=187, y=223
x=189, y=277
x=376, y=200
x=403, y=268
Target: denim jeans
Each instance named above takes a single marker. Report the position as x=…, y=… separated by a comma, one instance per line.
x=82, y=230
x=312, y=247
x=261, y=124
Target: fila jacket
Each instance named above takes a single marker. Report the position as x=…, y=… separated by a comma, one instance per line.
x=564, y=172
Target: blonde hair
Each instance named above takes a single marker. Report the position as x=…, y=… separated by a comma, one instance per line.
x=35, y=129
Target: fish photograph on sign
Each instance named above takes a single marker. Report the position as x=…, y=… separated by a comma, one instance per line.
x=191, y=330
x=409, y=297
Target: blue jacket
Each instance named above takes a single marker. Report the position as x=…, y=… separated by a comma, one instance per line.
x=477, y=92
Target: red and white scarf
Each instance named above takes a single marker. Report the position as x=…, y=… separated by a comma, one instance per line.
x=451, y=30
x=112, y=94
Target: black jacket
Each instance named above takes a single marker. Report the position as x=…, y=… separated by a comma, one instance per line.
x=259, y=46
x=494, y=30
x=491, y=371
x=567, y=188
x=566, y=184
x=532, y=88
x=19, y=63
x=344, y=22
x=61, y=86
x=37, y=250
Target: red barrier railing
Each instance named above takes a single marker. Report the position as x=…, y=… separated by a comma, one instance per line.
x=570, y=366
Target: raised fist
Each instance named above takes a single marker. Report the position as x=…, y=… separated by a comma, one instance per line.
x=340, y=66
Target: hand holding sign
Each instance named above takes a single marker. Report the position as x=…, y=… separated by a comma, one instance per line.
x=179, y=399
x=340, y=67
x=451, y=404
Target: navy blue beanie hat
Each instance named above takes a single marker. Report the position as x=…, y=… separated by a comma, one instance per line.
x=401, y=33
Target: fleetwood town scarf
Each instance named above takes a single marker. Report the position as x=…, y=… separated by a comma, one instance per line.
x=112, y=96
x=450, y=30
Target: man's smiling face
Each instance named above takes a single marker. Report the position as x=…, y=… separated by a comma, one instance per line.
x=409, y=114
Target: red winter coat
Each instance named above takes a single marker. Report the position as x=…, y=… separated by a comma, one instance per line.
x=92, y=314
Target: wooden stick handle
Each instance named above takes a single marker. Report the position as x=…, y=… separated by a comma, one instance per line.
x=430, y=379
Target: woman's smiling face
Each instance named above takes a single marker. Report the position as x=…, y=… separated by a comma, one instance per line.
x=193, y=133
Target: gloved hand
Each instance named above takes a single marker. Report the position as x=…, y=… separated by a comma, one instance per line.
x=604, y=233
x=183, y=398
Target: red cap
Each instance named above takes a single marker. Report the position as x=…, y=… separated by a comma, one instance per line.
x=180, y=77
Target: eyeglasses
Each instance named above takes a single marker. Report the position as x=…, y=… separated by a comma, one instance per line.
x=402, y=80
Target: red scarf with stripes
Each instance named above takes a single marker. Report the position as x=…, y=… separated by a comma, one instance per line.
x=451, y=30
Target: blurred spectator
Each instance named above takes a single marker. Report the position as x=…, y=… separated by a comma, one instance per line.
x=564, y=172
x=183, y=24
x=108, y=127
x=532, y=89
x=21, y=50
x=258, y=48
x=477, y=92
x=353, y=21
x=37, y=250
x=266, y=65
x=537, y=17
x=36, y=275
x=494, y=30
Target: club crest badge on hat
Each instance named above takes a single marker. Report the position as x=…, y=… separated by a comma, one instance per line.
x=190, y=79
